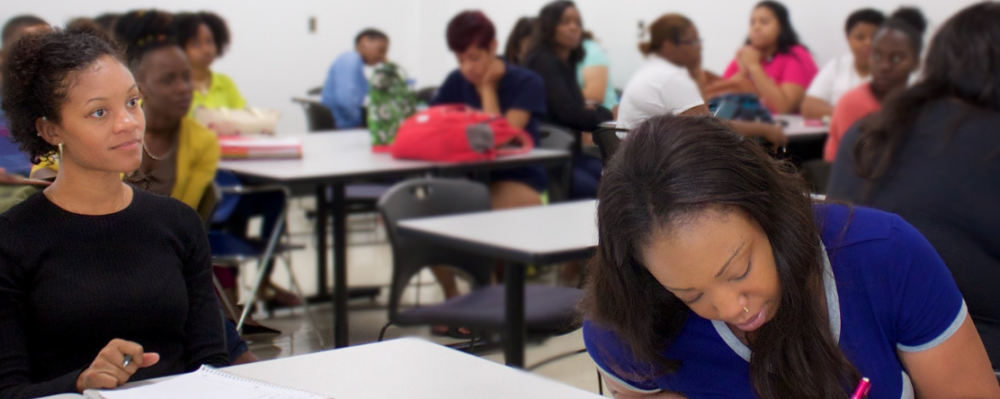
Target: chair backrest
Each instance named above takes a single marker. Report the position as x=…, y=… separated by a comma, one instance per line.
x=607, y=141
x=225, y=203
x=425, y=198
x=11, y=158
x=319, y=117
x=209, y=204
x=425, y=95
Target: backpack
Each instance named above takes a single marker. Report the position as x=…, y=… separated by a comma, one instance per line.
x=739, y=107
x=457, y=133
x=390, y=101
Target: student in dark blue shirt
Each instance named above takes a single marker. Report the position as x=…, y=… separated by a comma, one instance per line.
x=717, y=277
x=486, y=82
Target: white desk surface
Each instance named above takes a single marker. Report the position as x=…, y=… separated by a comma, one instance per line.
x=534, y=231
x=346, y=154
x=404, y=368
x=797, y=126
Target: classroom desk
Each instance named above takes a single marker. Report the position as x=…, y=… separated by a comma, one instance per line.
x=403, y=368
x=329, y=161
x=535, y=235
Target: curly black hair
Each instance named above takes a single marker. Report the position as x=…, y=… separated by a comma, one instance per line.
x=187, y=25
x=142, y=31
x=35, y=80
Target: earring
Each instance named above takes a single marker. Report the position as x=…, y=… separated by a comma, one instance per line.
x=746, y=310
x=60, y=151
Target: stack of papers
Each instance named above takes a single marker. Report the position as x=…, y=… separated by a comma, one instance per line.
x=206, y=383
x=260, y=147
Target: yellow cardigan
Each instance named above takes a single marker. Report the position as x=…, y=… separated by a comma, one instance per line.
x=197, y=160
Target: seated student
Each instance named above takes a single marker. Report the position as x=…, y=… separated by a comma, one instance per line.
x=931, y=155
x=895, y=57
x=93, y=269
x=346, y=86
x=180, y=156
x=594, y=74
x=204, y=37
x=717, y=276
x=557, y=50
x=666, y=83
x=486, y=82
x=773, y=64
x=519, y=41
x=847, y=71
x=13, y=29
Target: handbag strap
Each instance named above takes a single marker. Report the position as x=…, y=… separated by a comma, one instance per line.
x=526, y=145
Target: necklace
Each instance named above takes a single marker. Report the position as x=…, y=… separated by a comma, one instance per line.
x=150, y=153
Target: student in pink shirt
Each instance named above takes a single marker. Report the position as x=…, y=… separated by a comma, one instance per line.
x=773, y=64
x=895, y=57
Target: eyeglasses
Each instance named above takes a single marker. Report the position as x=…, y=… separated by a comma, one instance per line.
x=692, y=42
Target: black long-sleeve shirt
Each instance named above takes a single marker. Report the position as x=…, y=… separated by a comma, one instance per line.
x=564, y=98
x=71, y=283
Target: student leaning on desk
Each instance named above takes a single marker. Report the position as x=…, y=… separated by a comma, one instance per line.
x=93, y=271
x=717, y=276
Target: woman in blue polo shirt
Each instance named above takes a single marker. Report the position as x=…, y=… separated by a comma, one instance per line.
x=716, y=276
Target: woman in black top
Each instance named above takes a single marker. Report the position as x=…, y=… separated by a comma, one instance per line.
x=558, y=48
x=92, y=270
x=932, y=155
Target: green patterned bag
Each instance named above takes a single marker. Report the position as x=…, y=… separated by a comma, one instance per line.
x=390, y=101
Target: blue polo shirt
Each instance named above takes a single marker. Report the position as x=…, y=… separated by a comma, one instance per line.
x=886, y=290
x=519, y=88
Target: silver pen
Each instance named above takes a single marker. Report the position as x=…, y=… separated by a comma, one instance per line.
x=128, y=360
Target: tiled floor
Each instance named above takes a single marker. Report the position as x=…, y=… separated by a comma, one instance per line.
x=369, y=264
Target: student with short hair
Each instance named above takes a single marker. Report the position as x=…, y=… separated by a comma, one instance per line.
x=205, y=37
x=491, y=84
x=847, y=71
x=773, y=64
x=12, y=30
x=346, y=85
x=895, y=58
x=932, y=155
x=94, y=269
x=717, y=276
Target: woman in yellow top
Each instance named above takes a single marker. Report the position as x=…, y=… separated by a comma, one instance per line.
x=180, y=157
x=204, y=37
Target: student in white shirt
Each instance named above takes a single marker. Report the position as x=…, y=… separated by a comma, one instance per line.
x=847, y=71
x=671, y=79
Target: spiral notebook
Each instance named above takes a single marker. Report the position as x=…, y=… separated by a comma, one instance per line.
x=206, y=383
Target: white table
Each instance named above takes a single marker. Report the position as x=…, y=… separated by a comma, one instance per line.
x=404, y=368
x=796, y=127
x=332, y=159
x=536, y=235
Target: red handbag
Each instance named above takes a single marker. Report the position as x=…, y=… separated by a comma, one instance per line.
x=457, y=133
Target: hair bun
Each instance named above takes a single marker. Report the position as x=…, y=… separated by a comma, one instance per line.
x=646, y=48
x=912, y=16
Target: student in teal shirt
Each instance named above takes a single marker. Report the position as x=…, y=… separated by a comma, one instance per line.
x=594, y=74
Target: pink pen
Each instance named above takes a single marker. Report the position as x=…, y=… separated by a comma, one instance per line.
x=863, y=388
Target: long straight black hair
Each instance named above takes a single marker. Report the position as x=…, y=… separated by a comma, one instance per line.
x=545, y=29
x=787, y=37
x=673, y=167
x=963, y=63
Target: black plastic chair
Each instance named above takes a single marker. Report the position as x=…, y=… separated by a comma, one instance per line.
x=425, y=95
x=548, y=310
x=560, y=177
x=607, y=141
x=318, y=116
x=817, y=174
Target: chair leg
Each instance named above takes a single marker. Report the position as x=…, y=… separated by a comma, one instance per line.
x=600, y=383
x=472, y=343
x=222, y=296
x=381, y=334
x=261, y=275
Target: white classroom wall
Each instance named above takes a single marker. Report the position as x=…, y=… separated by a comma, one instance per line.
x=274, y=56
